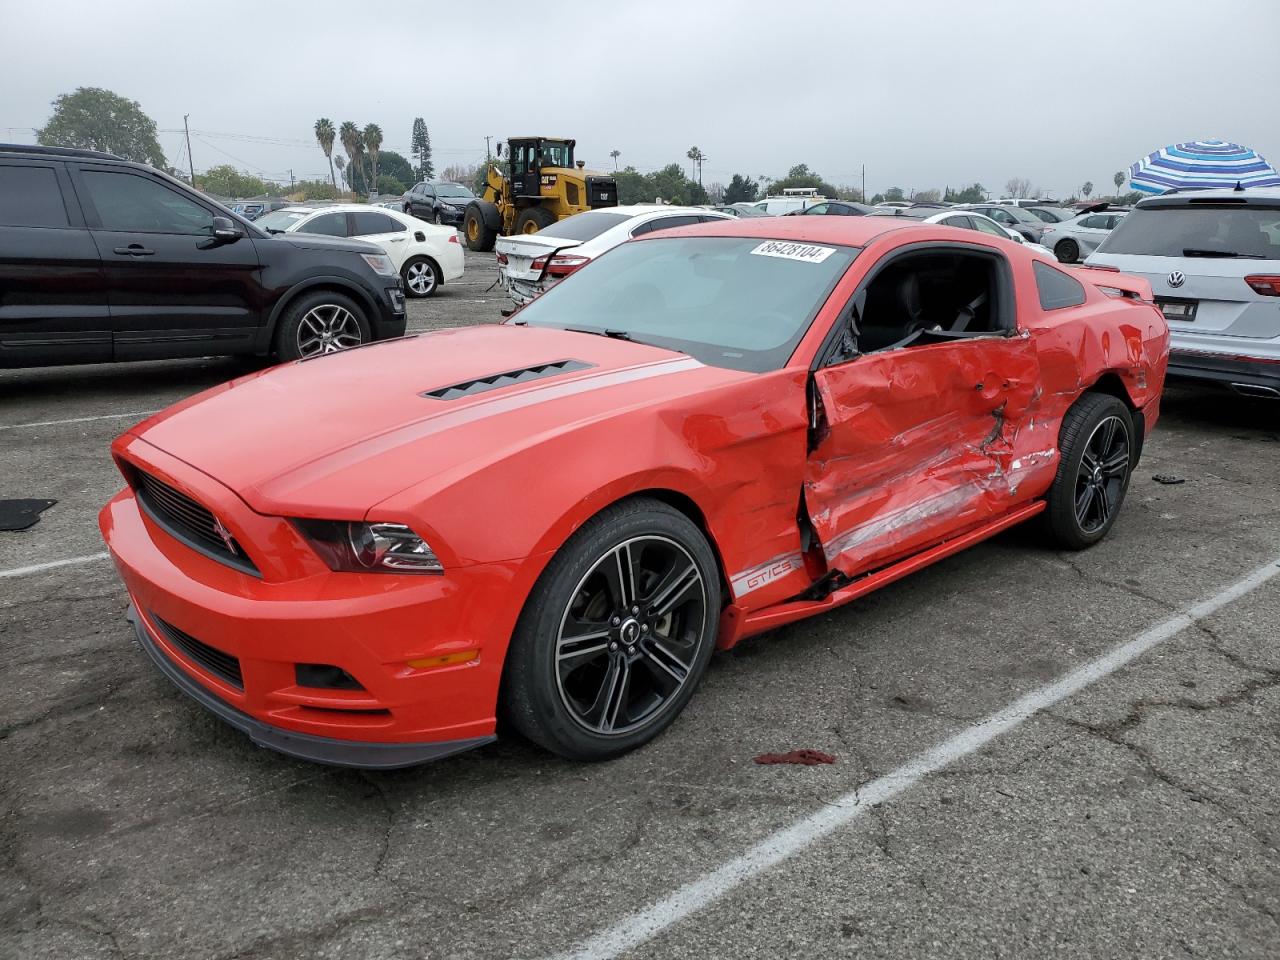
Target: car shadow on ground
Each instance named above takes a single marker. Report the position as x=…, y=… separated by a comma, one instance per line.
x=1241, y=418
x=97, y=381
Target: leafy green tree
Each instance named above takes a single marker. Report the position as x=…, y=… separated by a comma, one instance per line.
x=420, y=148
x=634, y=186
x=324, y=136
x=392, y=164
x=671, y=184
x=974, y=193
x=314, y=190
x=225, y=180
x=390, y=185
x=894, y=194
x=929, y=196
x=801, y=176
x=741, y=190
x=92, y=118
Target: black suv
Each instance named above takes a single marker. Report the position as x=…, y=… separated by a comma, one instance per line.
x=103, y=259
x=438, y=202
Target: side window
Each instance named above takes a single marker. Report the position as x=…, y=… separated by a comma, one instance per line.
x=368, y=224
x=1056, y=289
x=31, y=197
x=1095, y=222
x=1112, y=221
x=817, y=209
x=986, y=226
x=964, y=223
x=933, y=296
x=130, y=203
x=328, y=224
x=666, y=223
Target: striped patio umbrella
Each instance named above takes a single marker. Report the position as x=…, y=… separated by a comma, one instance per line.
x=1202, y=163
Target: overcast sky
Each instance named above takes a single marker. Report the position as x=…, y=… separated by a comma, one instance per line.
x=926, y=93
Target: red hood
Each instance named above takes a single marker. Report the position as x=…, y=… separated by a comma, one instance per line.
x=346, y=431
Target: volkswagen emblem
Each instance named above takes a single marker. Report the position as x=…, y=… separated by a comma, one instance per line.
x=1177, y=278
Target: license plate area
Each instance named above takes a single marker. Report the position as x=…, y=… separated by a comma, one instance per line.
x=1178, y=311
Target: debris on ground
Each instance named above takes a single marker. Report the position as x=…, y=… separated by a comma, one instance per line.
x=20, y=514
x=806, y=757
x=1168, y=479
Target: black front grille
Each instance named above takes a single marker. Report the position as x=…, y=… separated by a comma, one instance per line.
x=602, y=192
x=220, y=664
x=189, y=521
x=469, y=388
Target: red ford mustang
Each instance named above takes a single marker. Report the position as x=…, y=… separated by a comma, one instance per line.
x=366, y=558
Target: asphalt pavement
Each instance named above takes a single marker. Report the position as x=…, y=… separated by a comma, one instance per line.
x=978, y=807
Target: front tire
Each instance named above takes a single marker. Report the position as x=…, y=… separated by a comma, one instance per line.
x=1097, y=454
x=534, y=219
x=421, y=277
x=476, y=227
x=437, y=219
x=1067, y=251
x=320, y=322
x=616, y=635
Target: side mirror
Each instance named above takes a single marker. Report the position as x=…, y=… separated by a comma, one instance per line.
x=224, y=231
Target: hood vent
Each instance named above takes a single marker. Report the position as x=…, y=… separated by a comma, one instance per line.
x=469, y=388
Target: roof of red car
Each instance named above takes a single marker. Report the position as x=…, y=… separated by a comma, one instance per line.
x=850, y=231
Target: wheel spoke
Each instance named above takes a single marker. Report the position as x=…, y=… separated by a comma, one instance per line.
x=619, y=572
x=657, y=655
x=1116, y=464
x=673, y=588
x=1104, y=503
x=1083, y=502
x=604, y=712
x=1105, y=436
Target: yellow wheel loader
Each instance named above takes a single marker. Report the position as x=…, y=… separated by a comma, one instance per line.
x=536, y=184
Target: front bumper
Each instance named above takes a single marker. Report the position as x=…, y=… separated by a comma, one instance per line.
x=398, y=637
x=1260, y=377
x=451, y=215
x=342, y=753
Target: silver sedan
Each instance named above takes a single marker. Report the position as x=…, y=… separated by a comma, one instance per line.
x=1073, y=240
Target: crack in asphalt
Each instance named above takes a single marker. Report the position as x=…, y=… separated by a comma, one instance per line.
x=390, y=812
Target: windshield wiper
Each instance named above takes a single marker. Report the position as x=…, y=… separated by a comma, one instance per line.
x=611, y=334
x=1223, y=254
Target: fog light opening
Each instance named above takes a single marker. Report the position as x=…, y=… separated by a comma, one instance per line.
x=325, y=676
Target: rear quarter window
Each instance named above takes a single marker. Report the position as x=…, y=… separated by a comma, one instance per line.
x=584, y=226
x=1056, y=289
x=30, y=197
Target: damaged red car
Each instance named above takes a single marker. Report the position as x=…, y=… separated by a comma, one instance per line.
x=371, y=557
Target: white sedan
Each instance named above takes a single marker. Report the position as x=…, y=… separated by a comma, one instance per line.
x=972, y=220
x=427, y=256
x=532, y=263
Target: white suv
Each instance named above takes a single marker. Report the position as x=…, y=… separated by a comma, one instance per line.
x=1213, y=260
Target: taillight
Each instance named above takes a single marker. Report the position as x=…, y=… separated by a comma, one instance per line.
x=1268, y=286
x=502, y=259
x=1048, y=230
x=453, y=238
x=563, y=266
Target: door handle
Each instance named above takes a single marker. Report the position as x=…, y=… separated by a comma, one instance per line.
x=134, y=250
x=396, y=240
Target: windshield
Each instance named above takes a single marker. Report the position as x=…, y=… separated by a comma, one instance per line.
x=452, y=190
x=734, y=302
x=583, y=226
x=280, y=220
x=1019, y=214
x=1246, y=231
x=556, y=154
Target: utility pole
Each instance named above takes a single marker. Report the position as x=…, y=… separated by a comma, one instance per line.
x=191, y=164
x=864, y=183
x=487, y=154
x=292, y=182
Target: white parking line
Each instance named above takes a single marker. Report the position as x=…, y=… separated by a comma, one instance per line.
x=54, y=423
x=53, y=565
x=644, y=925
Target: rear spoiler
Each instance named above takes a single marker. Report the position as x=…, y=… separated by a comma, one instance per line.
x=1114, y=283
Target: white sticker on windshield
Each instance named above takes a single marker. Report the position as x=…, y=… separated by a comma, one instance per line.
x=806, y=252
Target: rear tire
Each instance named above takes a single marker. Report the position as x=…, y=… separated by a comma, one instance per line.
x=1067, y=251
x=478, y=225
x=320, y=322
x=616, y=634
x=534, y=219
x=1097, y=456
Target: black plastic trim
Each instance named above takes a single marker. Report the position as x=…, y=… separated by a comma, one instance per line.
x=339, y=753
x=539, y=371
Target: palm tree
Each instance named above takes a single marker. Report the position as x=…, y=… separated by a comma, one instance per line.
x=615, y=154
x=372, y=143
x=693, y=161
x=1118, y=180
x=324, y=136
x=341, y=165
x=353, y=144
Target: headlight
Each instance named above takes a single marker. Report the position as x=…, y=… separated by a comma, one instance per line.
x=356, y=547
x=380, y=264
